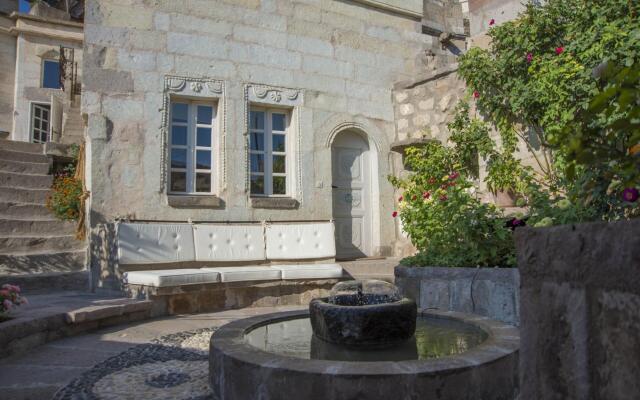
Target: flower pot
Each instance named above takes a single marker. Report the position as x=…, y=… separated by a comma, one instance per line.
x=504, y=198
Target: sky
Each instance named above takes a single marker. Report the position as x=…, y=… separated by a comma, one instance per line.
x=24, y=6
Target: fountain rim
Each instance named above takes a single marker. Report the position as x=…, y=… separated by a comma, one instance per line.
x=502, y=341
x=323, y=301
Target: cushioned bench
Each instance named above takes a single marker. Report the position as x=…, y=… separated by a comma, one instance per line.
x=155, y=243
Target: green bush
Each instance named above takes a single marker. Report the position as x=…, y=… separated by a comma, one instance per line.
x=447, y=223
x=64, y=199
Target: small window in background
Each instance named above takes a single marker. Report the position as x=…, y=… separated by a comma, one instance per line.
x=51, y=74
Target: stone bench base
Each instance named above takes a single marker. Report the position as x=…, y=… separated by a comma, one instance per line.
x=211, y=297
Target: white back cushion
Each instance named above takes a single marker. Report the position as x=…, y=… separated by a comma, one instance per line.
x=229, y=242
x=300, y=241
x=151, y=243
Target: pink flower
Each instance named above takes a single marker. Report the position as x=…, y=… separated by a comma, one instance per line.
x=4, y=293
x=559, y=50
x=630, y=194
x=394, y=214
x=426, y=195
x=529, y=57
x=400, y=198
x=7, y=304
x=454, y=176
x=492, y=22
x=476, y=94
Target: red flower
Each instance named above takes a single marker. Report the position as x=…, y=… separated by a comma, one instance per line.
x=492, y=22
x=432, y=181
x=529, y=57
x=400, y=198
x=454, y=176
x=426, y=195
x=476, y=94
x=559, y=50
x=443, y=197
x=414, y=197
x=394, y=214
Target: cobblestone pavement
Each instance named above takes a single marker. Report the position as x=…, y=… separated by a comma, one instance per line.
x=124, y=354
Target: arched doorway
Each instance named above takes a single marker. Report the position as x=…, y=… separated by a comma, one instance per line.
x=351, y=190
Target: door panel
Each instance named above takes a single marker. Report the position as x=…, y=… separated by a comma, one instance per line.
x=351, y=193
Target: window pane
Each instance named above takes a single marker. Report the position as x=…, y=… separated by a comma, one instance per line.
x=45, y=126
x=257, y=120
x=179, y=112
x=179, y=135
x=178, y=181
x=203, y=159
x=45, y=114
x=279, y=164
x=256, y=141
x=279, y=185
x=203, y=137
x=203, y=182
x=257, y=184
x=278, y=142
x=37, y=111
x=50, y=74
x=178, y=158
x=278, y=122
x=257, y=163
x=205, y=115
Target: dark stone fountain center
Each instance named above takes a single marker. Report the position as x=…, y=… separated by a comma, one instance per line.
x=368, y=314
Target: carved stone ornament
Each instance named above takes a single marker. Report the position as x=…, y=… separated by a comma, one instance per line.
x=273, y=95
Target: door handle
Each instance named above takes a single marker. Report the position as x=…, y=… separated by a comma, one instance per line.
x=334, y=187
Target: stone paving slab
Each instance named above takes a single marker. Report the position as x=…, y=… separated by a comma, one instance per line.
x=39, y=373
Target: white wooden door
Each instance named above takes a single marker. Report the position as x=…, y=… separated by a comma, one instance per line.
x=351, y=195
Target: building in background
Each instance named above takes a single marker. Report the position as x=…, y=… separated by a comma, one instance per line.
x=41, y=76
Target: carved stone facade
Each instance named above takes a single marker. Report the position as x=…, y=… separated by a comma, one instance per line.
x=329, y=65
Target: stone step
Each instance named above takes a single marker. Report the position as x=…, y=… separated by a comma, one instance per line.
x=26, y=181
x=24, y=167
x=19, y=195
x=29, y=212
x=29, y=245
x=42, y=263
x=18, y=227
x=10, y=155
x=24, y=147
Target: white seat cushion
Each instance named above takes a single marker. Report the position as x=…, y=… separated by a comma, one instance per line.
x=250, y=273
x=300, y=241
x=229, y=242
x=171, y=277
x=152, y=243
x=310, y=271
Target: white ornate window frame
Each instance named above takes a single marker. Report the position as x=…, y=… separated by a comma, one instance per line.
x=289, y=99
x=203, y=89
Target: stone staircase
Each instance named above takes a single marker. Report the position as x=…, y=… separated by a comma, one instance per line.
x=32, y=241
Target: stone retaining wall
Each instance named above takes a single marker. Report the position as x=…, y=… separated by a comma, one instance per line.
x=491, y=292
x=580, y=304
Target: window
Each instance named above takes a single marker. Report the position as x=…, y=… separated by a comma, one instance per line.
x=191, y=156
x=268, y=145
x=40, y=117
x=50, y=74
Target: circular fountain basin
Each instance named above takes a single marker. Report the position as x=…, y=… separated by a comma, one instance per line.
x=452, y=356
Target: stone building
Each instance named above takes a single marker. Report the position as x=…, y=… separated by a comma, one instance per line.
x=259, y=110
x=41, y=53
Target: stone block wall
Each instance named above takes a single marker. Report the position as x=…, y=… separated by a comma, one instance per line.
x=424, y=106
x=341, y=58
x=580, y=311
x=490, y=292
x=7, y=73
